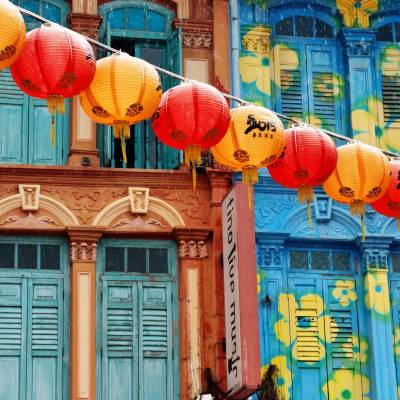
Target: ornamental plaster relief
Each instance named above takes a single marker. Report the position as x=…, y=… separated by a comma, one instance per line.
x=19, y=219
x=82, y=251
x=138, y=223
x=192, y=249
x=30, y=195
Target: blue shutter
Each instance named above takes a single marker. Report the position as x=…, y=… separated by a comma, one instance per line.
x=308, y=361
x=324, y=103
x=14, y=121
x=395, y=303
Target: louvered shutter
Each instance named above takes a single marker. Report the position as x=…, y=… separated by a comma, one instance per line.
x=395, y=303
x=324, y=104
x=343, y=349
x=14, y=121
x=12, y=338
x=289, y=76
x=391, y=99
x=308, y=353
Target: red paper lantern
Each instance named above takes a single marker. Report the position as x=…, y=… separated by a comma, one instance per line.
x=389, y=203
x=308, y=159
x=55, y=63
x=191, y=117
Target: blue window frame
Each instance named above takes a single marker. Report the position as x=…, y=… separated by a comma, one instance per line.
x=143, y=30
x=25, y=129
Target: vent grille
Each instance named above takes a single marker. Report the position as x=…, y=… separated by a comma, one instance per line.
x=307, y=345
x=10, y=328
x=391, y=100
x=342, y=332
x=154, y=330
x=291, y=93
x=324, y=101
x=8, y=88
x=120, y=330
x=44, y=328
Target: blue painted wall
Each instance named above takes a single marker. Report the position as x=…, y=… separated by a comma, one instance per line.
x=328, y=302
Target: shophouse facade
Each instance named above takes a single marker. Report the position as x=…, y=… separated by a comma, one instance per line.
x=328, y=301
x=111, y=283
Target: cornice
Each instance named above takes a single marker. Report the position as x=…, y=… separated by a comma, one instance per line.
x=196, y=33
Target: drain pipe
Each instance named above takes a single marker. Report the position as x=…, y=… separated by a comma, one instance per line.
x=235, y=47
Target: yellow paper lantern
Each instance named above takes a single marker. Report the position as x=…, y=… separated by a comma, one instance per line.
x=13, y=32
x=125, y=90
x=255, y=136
x=361, y=176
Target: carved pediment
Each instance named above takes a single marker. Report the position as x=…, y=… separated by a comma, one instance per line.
x=27, y=220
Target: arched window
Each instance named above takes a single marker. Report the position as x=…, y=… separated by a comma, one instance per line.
x=143, y=30
x=306, y=75
x=25, y=128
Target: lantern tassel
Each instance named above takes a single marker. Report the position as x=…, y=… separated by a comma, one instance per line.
x=193, y=158
x=398, y=224
x=53, y=131
x=55, y=104
x=306, y=194
x=249, y=178
x=122, y=131
x=358, y=208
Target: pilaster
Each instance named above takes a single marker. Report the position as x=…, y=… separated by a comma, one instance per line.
x=83, y=150
x=83, y=312
x=375, y=252
x=192, y=254
x=255, y=63
x=359, y=44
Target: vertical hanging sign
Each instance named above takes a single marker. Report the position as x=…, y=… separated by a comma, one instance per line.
x=240, y=293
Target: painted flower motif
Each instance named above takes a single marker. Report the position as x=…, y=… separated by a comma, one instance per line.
x=344, y=292
x=284, y=378
x=357, y=12
x=397, y=342
x=359, y=347
x=286, y=305
x=253, y=70
x=376, y=293
x=346, y=385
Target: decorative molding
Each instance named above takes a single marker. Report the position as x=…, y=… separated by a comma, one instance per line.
x=270, y=256
x=375, y=259
x=358, y=42
x=138, y=224
x=358, y=48
x=322, y=207
x=82, y=251
x=139, y=199
x=53, y=207
x=29, y=197
x=192, y=249
x=108, y=214
x=257, y=39
x=30, y=221
x=196, y=34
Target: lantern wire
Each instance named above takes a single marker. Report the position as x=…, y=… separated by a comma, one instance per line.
x=183, y=79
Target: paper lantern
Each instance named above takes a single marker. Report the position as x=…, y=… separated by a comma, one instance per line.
x=13, y=32
x=55, y=63
x=255, y=136
x=361, y=176
x=389, y=203
x=124, y=91
x=191, y=117
x=308, y=159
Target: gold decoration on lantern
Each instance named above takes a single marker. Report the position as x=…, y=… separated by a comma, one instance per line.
x=361, y=176
x=255, y=136
x=124, y=91
x=13, y=32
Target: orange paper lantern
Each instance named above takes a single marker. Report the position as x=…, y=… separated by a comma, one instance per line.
x=361, y=176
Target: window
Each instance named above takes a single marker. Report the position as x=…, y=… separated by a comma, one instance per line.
x=25, y=129
x=320, y=260
x=395, y=262
x=307, y=84
x=144, y=32
x=140, y=260
x=388, y=32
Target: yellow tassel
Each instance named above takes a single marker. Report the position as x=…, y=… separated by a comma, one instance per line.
x=55, y=103
x=53, y=131
x=193, y=158
x=250, y=177
x=122, y=131
x=358, y=208
x=306, y=194
x=398, y=224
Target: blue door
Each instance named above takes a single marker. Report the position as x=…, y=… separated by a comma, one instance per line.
x=33, y=320
x=137, y=324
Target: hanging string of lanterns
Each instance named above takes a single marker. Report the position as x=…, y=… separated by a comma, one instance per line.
x=54, y=63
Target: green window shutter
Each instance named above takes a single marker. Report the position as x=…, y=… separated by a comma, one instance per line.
x=14, y=121
x=324, y=105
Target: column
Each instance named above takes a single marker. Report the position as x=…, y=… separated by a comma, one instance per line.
x=255, y=67
x=192, y=254
x=358, y=44
x=83, y=150
x=376, y=300
x=83, y=313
